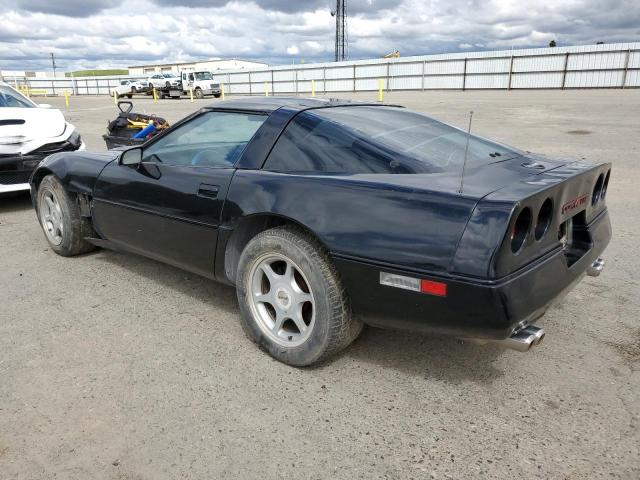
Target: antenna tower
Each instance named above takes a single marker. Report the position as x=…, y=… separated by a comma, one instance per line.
x=341, y=30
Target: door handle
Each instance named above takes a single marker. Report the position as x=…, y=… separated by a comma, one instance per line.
x=209, y=191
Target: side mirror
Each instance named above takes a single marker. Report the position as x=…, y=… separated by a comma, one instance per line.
x=133, y=156
x=44, y=105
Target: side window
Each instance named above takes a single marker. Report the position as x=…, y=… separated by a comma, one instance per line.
x=213, y=139
x=311, y=144
x=191, y=76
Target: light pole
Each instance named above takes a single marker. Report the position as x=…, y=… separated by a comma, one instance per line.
x=53, y=64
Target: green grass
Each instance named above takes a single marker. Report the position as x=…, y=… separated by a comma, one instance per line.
x=96, y=73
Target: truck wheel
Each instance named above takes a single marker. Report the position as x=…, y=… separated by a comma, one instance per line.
x=292, y=302
x=198, y=93
x=59, y=215
x=217, y=95
x=129, y=95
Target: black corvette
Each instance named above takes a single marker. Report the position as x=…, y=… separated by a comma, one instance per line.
x=327, y=215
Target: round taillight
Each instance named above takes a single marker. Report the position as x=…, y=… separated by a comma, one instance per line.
x=605, y=185
x=520, y=229
x=545, y=214
x=597, y=190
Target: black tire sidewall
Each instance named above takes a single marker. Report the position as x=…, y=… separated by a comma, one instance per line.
x=316, y=345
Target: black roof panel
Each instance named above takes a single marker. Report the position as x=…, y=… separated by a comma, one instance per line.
x=270, y=104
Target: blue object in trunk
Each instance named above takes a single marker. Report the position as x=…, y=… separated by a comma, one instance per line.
x=149, y=129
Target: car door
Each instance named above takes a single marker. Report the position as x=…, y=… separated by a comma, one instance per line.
x=168, y=206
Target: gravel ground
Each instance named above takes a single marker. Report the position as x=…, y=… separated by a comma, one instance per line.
x=113, y=366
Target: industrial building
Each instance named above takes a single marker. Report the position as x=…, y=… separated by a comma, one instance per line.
x=210, y=65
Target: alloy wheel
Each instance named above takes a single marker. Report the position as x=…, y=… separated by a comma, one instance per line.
x=281, y=300
x=51, y=217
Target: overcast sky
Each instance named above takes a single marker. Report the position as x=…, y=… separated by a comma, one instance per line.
x=119, y=33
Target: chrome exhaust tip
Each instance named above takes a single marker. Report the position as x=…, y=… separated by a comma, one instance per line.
x=596, y=267
x=524, y=339
x=521, y=341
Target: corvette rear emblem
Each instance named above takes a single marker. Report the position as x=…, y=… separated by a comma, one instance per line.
x=575, y=203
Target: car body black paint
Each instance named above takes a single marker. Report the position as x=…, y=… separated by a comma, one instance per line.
x=411, y=224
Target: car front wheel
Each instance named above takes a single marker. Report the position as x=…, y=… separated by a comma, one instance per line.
x=291, y=299
x=64, y=227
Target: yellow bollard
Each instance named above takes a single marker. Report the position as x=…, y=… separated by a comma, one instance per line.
x=155, y=95
x=266, y=90
x=115, y=97
x=380, y=95
x=313, y=88
x=222, y=90
x=66, y=99
x=191, y=94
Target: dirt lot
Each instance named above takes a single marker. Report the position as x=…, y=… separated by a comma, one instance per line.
x=117, y=367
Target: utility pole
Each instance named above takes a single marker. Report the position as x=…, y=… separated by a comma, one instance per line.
x=53, y=64
x=341, y=30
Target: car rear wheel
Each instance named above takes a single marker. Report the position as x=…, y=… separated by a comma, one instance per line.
x=59, y=214
x=291, y=299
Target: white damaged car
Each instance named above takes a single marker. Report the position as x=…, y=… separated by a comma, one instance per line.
x=28, y=133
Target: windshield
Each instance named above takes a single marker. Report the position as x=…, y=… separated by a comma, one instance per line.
x=169, y=75
x=11, y=98
x=203, y=76
x=420, y=143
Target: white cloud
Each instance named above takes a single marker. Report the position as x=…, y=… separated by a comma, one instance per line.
x=92, y=33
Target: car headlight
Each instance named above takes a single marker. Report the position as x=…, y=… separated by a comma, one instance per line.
x=74, y=139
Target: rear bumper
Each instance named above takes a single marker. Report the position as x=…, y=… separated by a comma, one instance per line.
x=471, y=308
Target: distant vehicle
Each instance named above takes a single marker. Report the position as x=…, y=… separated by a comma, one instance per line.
x=326, y=214
x=163, y=80
x=201, y=82
x=128, y=88
x=28, y=133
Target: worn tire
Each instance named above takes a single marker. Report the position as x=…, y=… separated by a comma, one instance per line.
x=75, y=227
x=334, y=326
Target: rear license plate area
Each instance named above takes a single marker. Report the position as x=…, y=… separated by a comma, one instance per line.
x=574, y=237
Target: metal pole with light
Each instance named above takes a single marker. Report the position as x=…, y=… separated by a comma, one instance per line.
x=53, y=65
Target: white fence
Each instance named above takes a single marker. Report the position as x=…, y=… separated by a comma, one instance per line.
x=589, y=66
